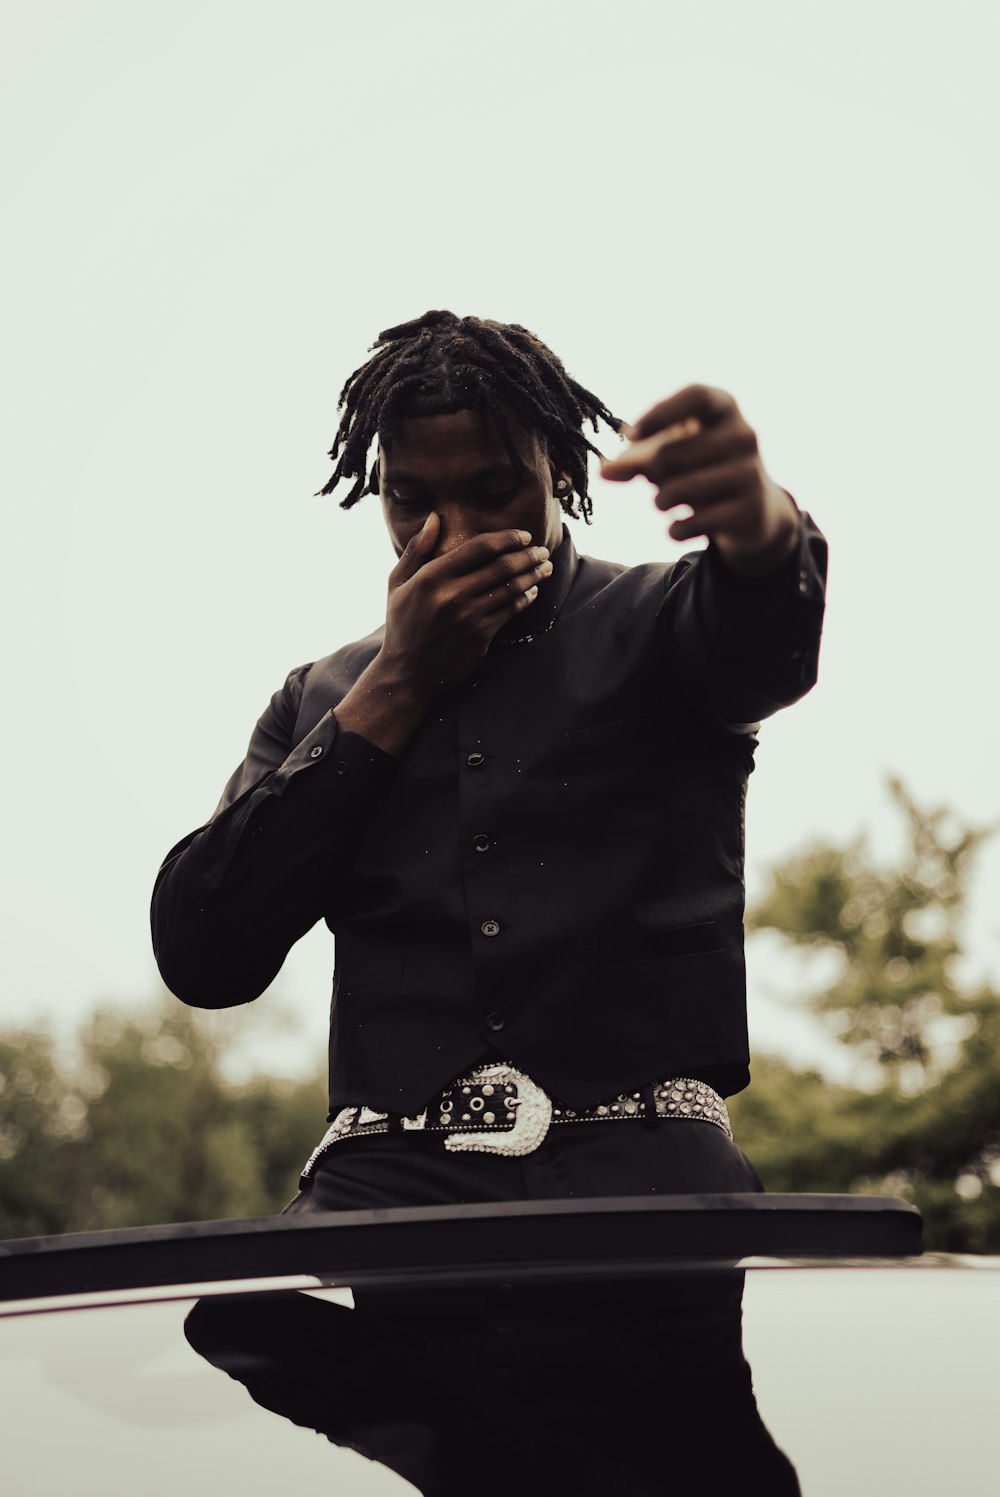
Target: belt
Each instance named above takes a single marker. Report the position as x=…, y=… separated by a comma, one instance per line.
x=496, y=1109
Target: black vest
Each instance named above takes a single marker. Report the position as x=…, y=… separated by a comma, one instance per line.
x=555, y=872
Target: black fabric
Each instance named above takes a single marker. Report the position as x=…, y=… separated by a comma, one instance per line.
x=552, y=874
x=675, y=1157
x=616, y=752
x=636, y=1389
x=607, y=763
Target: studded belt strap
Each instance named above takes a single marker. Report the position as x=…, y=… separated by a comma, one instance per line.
x=496, y=1109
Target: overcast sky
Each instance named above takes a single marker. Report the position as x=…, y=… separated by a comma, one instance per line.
x=213, y=210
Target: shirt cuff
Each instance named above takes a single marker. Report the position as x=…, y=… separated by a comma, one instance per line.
x=328, y=749
x=801, y=576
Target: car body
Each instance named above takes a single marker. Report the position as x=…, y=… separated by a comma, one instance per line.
x=875, y=1366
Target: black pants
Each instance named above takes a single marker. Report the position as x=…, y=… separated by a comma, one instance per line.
x=585, y=1159
x=612, y=1389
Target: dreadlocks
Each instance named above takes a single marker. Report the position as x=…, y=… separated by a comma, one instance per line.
x=440, y=363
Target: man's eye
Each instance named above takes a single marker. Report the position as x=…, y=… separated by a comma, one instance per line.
x=498, y=496
x=406, y=501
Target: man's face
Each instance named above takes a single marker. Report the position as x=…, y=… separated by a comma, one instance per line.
x=458, y=466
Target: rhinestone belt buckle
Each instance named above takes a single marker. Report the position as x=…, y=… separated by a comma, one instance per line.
x=532, y=1109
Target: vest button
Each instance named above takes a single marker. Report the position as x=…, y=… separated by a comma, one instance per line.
x=490, y=928
x=495, y=1022
x=476, y=760
x=481, y=843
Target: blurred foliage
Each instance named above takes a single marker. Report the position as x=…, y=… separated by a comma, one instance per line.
x=896, y=932
x=930, y=1132
x=138, y=1124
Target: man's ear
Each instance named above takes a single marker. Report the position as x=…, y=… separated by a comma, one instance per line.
x=562, y=481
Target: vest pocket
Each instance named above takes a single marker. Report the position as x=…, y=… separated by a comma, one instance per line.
x=653, y=1015
x=625, y=732
x=652, y=945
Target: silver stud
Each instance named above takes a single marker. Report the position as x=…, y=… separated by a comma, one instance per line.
x=489, y=1117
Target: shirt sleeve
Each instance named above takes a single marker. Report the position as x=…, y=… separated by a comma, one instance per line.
x=235, y=895
x=742, y=648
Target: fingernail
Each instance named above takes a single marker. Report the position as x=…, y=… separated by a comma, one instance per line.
x=525, y=535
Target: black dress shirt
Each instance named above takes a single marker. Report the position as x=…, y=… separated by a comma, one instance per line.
x=553, y=871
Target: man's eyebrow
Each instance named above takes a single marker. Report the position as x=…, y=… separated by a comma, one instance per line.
x=416, y=480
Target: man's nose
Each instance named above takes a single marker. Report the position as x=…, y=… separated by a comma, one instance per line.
x=456, y=528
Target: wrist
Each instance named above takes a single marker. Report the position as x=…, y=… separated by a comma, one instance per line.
x=384, y=706
x=762, y=557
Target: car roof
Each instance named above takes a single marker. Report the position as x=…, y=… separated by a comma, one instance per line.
x=608, y=1236
x=874, y=1369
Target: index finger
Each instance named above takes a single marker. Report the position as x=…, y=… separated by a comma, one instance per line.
x=704, y=403
x=640, y=454
x=479, y=551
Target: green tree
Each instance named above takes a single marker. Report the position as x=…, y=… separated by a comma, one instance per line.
x=931, y=1131
x=40, y=1117
x=139, y=1126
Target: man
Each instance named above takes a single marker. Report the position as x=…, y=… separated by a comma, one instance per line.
x=519, y=804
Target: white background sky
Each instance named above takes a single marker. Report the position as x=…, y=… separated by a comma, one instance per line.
x=214, y=208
